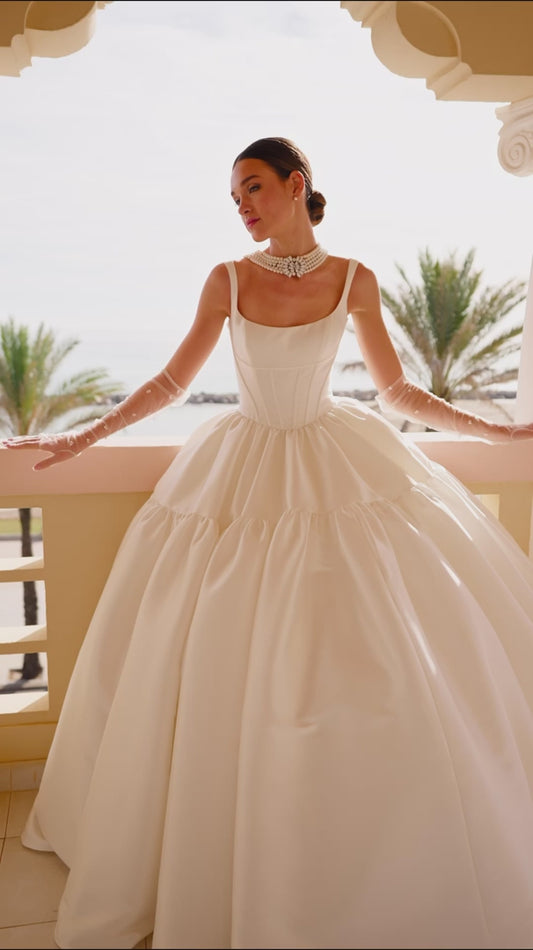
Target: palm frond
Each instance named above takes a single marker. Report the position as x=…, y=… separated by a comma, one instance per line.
x=449, y=331
x=30, y=401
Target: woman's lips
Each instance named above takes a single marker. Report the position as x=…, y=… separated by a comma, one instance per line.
x=250, y=223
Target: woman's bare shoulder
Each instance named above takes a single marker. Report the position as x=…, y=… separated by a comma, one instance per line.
x=216, y=292
x=364, y=291
x=218, y=275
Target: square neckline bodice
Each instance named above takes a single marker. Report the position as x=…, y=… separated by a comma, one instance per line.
x=235, y=311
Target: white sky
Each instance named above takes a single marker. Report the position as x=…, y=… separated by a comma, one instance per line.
x=115, y=166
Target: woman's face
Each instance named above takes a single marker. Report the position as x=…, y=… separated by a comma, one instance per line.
x=264, y=200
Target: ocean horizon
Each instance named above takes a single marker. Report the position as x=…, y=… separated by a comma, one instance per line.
x=181, y=421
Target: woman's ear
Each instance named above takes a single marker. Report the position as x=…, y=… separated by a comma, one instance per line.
x=298, y=184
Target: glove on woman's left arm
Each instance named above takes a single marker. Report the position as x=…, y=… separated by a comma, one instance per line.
x=417, y=404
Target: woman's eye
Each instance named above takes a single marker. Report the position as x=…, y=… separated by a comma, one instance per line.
x=251, y=188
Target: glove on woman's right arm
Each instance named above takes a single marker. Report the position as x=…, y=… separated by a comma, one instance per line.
x=158, y=392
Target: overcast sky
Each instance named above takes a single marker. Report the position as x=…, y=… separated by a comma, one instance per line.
x=115, y=167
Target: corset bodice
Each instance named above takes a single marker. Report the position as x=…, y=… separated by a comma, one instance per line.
x=284, y=372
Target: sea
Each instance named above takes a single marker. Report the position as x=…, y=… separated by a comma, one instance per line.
x=178, y=421
x=181, y=421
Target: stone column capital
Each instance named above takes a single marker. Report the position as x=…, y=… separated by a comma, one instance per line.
x=515, y=148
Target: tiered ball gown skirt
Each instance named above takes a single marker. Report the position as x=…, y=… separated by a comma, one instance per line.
x=302, y=716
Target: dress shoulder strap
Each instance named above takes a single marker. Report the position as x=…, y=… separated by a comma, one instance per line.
x=233, y=285
x=352, y=267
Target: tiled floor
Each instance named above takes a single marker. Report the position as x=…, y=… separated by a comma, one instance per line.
x=31, y=882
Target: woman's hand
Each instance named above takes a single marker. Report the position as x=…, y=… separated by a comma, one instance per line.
x=510, y=433
x=62, y=447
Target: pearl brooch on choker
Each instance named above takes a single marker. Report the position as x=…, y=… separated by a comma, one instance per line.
x=290, y=266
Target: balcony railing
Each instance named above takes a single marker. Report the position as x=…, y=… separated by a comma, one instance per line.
x=86, y=505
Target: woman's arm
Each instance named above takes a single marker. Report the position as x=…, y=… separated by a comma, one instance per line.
x=394, y=389
x=200, y=341
x=166, y=387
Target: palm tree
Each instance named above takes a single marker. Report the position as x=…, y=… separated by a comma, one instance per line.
x=449, y=331
x=31, y=402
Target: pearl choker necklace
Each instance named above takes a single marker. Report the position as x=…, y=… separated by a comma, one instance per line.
x=290, y=266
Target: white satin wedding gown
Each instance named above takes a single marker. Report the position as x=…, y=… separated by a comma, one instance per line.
x=302, y=714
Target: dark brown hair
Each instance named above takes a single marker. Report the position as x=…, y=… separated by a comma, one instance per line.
x=285, y=157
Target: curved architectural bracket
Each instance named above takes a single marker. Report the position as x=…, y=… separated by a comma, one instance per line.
x=31, y=28
x=469, y=51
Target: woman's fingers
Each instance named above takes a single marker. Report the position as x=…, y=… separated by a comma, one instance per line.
x=57, y=454
x=29, y=442
x=52, y=460
x=19, y=445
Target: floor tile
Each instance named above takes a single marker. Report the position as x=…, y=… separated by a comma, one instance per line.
x=31, y=885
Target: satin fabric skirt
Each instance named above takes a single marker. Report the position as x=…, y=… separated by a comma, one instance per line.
x=302, y=714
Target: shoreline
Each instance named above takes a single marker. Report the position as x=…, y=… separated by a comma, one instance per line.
x=364, y=395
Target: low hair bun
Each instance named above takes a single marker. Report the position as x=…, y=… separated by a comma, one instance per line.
x=316, y=204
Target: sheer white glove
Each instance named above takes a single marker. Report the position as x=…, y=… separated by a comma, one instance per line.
x=158, y=392
x=421, y=406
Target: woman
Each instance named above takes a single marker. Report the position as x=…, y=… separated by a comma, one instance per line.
x=333, y=743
